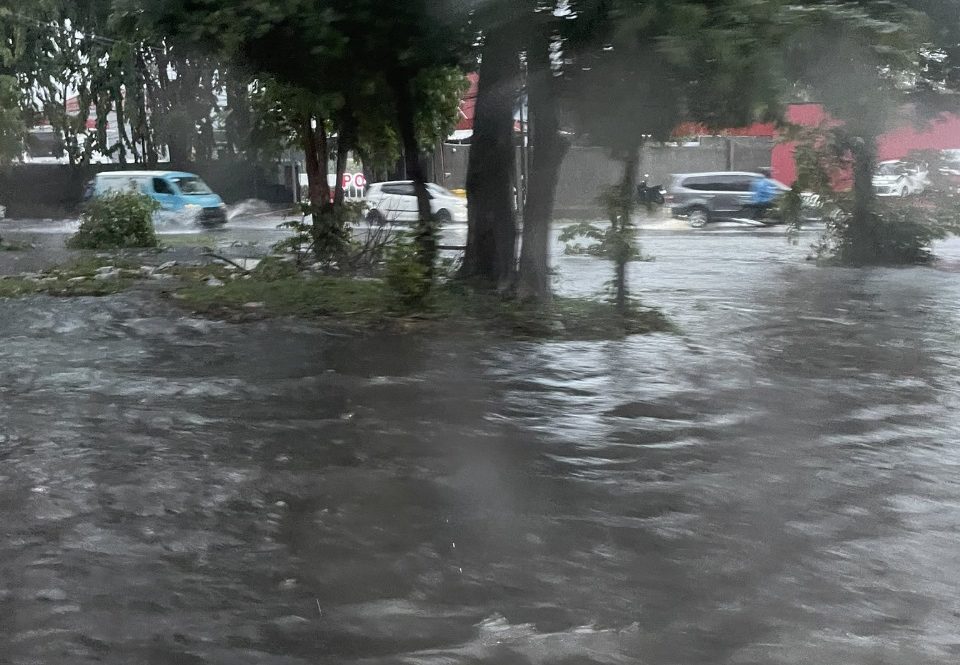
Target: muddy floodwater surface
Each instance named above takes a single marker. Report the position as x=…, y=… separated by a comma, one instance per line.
x=778, y=484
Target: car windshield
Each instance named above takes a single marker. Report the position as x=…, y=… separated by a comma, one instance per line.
x=192, y=186
x=439, y=191
x=894, y=168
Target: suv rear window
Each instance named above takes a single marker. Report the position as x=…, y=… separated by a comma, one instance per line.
x=704, y=184
x=738, y=183
x=720, y=183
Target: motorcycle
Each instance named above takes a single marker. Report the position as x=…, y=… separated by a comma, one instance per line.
x=650, y=194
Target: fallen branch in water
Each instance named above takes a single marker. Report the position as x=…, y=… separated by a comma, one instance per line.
x=213, y=255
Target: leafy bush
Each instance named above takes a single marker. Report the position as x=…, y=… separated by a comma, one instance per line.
x=117, y=221
x=331, y=242
x=407, y=278
x=273, y=269
x=898, y=232
x=882, y=231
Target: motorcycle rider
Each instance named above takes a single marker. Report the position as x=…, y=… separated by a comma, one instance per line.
x=649, y=194
x=763, y=194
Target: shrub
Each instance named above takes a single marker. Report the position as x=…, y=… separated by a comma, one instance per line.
x=273, y=269
x=327, y=237
x=407, y=278
x=117, y=221
x=896, y=233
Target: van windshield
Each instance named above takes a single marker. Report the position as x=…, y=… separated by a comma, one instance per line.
x=192, y=186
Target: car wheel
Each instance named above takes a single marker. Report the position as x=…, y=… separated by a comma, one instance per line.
x=903, y=192
x=374, y=218
x=444, y=216
x=698, y=217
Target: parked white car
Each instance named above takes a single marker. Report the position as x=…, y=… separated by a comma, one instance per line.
x=899, y=178
x=397, y=202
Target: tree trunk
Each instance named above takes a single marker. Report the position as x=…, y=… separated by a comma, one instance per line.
x=547, y=151
x=323, y=157
x=624, y=250
x=861, y=243
x=344, y=141
x=490, y=255
x=318, y=190
x=426, y=232
x=118, y=110
x=238, y=115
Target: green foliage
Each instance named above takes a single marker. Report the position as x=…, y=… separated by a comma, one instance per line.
x=117, y=221
x=897, y=233
x=74, y=279
x=331, y=243
x=299, y=243
x=617, y=242
x=407, y=278
x=360, y=301
x=612, y=242
x=273, y=269
x=12, y=125
x=890, y=231
x=854, y=57
x=451, y=307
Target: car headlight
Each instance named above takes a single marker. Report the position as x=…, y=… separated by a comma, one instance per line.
x=192, y=206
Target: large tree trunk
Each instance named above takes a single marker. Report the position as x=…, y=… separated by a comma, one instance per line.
x=490, y=255
x=318, y=190
x=547, y=151
x=426, y=232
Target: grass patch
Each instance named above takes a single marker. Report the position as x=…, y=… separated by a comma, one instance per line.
x=74, y=279
x=370, y=303
x=189, y=240
x=274, y=288
x=17, y=287
x=354, y=300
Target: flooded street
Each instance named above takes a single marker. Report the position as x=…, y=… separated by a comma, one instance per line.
x=778, y=484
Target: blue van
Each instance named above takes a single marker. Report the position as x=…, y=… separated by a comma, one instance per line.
x=175, y=191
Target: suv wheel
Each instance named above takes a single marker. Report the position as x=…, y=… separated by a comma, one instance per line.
x=698, y=217
x=374, y=217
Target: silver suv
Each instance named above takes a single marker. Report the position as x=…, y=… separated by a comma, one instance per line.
x=706, y=197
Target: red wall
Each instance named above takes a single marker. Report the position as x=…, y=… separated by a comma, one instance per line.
x=940, y=134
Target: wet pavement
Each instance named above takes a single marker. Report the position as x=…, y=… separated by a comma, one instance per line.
x=776, y=485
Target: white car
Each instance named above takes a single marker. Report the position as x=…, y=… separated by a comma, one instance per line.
x=899, y=178
x=950, y=168
x=397, y=202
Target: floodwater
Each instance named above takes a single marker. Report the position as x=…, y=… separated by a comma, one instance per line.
x=779, y=484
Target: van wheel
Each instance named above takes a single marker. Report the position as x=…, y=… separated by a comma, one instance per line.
x=698, y=217
x=374, y=218
x=443, y=216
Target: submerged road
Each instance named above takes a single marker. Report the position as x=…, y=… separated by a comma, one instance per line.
x=779, y=484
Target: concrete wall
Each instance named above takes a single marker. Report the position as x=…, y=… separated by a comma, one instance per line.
x=39, y=190
x=587, y=170
x=55, y=190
